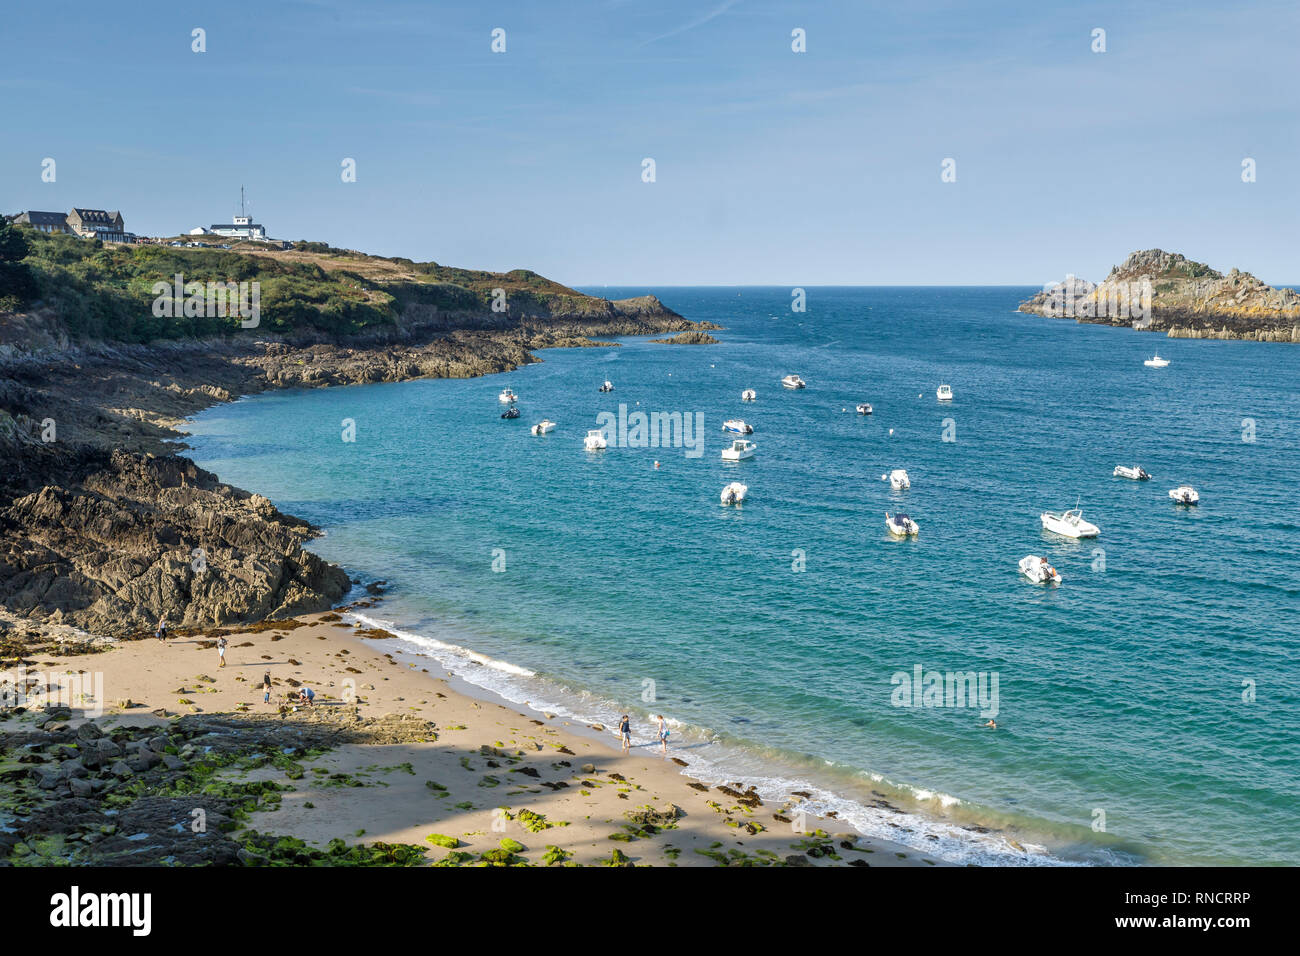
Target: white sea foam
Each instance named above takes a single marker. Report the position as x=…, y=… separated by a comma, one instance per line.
x=713, y=762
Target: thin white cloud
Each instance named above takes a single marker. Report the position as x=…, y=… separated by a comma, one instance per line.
x=698, y=21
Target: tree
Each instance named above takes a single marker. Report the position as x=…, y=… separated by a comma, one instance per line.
x=13, y=244
x=16, y=284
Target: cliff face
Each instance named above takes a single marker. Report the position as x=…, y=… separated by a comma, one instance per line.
x=142, y=537
x=104, y=528
x=1167, y=292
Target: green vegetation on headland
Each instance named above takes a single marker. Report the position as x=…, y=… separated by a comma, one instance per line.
x=107, y=292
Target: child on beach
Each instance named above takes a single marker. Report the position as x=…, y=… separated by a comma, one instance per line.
x=221, y=650
x=266, y=687
x=663, y=735
x=625, y=731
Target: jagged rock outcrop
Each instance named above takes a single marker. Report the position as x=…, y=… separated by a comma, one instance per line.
x=688, y=338
x=1167, y=292
x=144, y=537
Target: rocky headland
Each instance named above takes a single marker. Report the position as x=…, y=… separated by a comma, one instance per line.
x=105, y=529
x=1166, y=292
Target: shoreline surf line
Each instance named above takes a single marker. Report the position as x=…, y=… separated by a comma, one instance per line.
x=914, y=830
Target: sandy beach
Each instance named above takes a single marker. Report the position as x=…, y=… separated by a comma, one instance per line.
x=491, y=774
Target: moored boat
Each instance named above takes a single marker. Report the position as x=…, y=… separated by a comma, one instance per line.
x=739, y=450
x=1038, y=570
x=1069, y=523
x=901, y=525
x=1135, y=473
x=734, y=493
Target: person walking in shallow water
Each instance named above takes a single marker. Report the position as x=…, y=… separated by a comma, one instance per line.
x=221, y=650
x=663, y=735
x=625, y=731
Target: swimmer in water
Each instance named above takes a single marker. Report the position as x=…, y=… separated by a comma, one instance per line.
x=992, y=724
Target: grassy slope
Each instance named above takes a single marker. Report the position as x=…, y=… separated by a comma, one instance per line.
x=105, y=292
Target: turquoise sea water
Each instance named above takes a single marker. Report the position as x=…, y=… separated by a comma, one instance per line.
x=1156, y=690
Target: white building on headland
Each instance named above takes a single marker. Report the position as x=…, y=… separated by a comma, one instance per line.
x=242, y=226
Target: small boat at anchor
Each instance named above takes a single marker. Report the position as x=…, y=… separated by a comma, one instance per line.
x=900, y=525
x=738, y=425
x=740, y=450
x=943, y=393
x=608, y=386
x=1184, y=495
x=748, y=395
x=543, y=427
x=734, y=493
x=595, y=440
x=793, y=381
x=1038, y=570
x=1134, y=474
x=507, y=396
x=1156, y=362
x=898, y=479
x=1069, y=524
x=864, y=408
x=511, y=412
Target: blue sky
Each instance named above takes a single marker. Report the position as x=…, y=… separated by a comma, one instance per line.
x=772, y=167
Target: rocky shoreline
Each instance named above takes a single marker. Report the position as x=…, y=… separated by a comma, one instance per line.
x=104, y=529
x=1158, y=291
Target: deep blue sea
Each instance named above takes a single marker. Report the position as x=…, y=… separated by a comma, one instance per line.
x=1148, y=707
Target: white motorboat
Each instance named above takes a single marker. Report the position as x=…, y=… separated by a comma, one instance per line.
x=898, y=480
x=748, y=395
x=1038, y=570
x=1135, y=473
x=1184, y=495
x=608, y=386
x=507, y=396
x=543, y=427
x=864, y=408
x=794, y=381
x=943, y=393
x=740, y=449
x=595, y=440
x=1156, y=362
x=901, y=525
x=1069, y=523
x=734, y=493
x=738, y=425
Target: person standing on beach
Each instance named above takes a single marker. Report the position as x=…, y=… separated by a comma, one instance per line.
x=266, y=687
x=625, y=731
x=161, y=633
x=221, y=650
x=663, y=735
